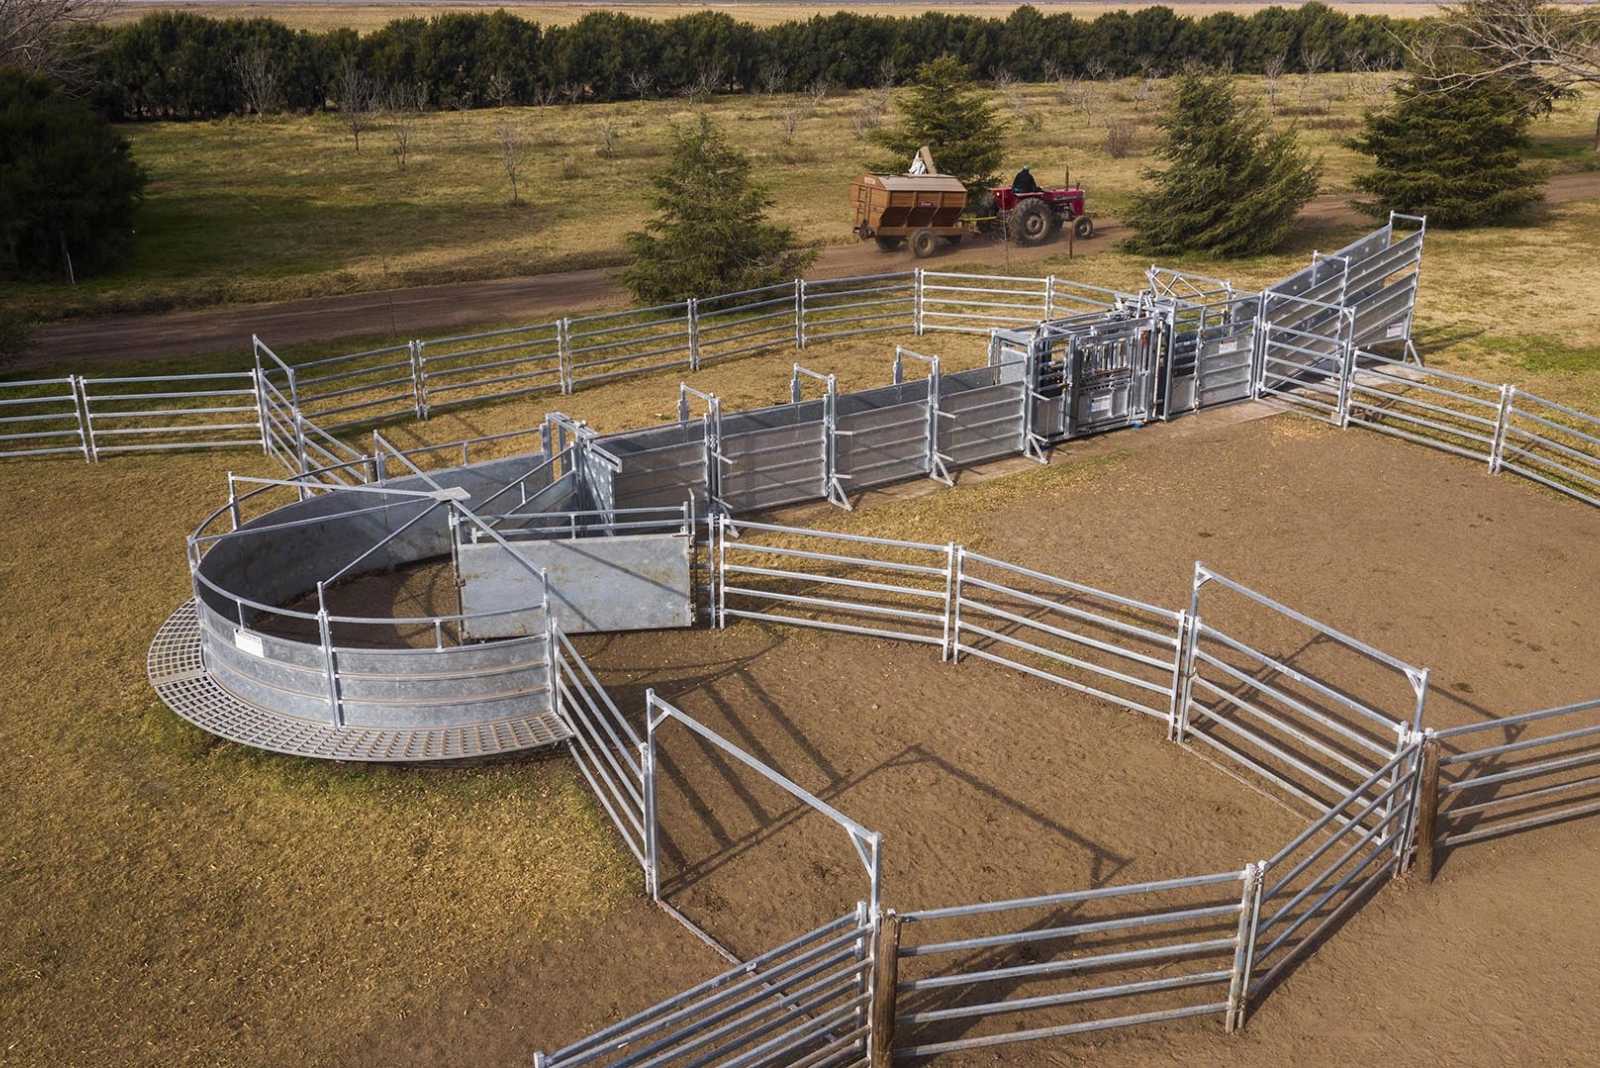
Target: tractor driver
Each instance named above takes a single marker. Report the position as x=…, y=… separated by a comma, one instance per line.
x=1024, y=183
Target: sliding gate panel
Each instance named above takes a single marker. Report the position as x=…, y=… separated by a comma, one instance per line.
x=773, y=456
x=883, y=435
x=981, y=415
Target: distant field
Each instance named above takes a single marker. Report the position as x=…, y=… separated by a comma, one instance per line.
x=370, y=16
x=245, y=210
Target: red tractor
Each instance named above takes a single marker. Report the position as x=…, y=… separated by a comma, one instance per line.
x=1034, y=218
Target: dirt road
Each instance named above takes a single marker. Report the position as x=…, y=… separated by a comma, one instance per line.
x=86, y=344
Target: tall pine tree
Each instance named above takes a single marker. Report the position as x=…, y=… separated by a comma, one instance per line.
x=1232, y=186
x=710, y=232
x=958, y=121
x=1454, y=156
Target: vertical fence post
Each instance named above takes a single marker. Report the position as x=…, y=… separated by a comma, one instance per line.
x=799, y=313
x=1427, y=836
x=954, y=604
x=1244, y=947
x=885, y=977
x=80, y=408
x=419, y=380
x=233, y=502
x=300, y=447
x=1049, y=296
x=1179, y=649
x=564, y=353
x=693, y=318
x=325, y=633
x=647, y=769
x=1502, y=425
x=722, y=571
x=916, y=304
x=946, y=650
x=261, y=402
x=552, y=654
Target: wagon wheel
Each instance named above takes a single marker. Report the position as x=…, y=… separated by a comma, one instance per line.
x=922, y=244
x=1030, y=223
x=1083, y=228
x=889, y=244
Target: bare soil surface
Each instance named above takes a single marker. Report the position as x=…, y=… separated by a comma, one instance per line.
x=105, y=342
x=989, y=784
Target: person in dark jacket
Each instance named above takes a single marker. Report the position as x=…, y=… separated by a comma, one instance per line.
x=1024, y=183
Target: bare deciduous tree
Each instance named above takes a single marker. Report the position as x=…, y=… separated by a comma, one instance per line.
x=610, y=138
x=791, y=119
x=774, y=77
x=260, y=77
x=641, y=81
x=513, y=144
x=708, y=80
x=1272, y=74
x=1549, y=51
x=819, y=91
x=500, y=87
x=1010, y=87
x=355, y=97
x=34, y=35
x=1120, y=135
x=402, y=107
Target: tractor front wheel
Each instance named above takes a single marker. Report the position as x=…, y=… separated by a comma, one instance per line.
x=923, y=244
x=1083, y=228
x=889, y=244
x=1031, y=223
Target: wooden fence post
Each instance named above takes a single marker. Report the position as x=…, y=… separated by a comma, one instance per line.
x=886, y=976
x=1428, y=810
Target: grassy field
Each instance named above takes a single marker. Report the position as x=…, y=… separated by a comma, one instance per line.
x=370, y=16
x=255, y=210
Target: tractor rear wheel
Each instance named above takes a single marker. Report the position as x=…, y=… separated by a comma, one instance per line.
x=889, y=244
x=1083, y=228
x=922, y=244
x=1031, y=223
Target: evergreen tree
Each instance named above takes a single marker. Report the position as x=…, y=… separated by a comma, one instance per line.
x=710, y=232
x=68, y=183
x=1453, y=156
x=958, y=121
x=1232, y=186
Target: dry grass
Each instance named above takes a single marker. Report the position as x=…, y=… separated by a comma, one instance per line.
x=246, y=210
x=168, y=899
x=366, y=17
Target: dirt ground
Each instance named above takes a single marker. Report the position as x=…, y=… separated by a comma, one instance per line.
x=988, y=784
x=102, y=342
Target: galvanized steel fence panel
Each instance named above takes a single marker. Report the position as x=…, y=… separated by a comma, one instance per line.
x=849, y=307
x=605, y=746
x=880, y=587
x=156, y=413
x=42, y=417
x=1539, y=770
x=1331, y=868
x=1552, y=444
x=360, y=388
x=1314, y=722
x=1444, y=411
x=977, y=303
x=520, y=361
x=982, y=415
x=1109, y=647
x=753, y=320
x=602, y=348
x=1111, y=957
x=883, y=434
x=805, y=1002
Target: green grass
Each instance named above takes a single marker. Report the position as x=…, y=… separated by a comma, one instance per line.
x=255, y=210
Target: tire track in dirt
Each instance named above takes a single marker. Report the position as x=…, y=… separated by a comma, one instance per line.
x=100, y=342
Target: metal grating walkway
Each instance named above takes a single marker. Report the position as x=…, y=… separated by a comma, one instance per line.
x=179, y=676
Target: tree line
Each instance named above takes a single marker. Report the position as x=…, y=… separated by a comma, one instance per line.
x=174, y=65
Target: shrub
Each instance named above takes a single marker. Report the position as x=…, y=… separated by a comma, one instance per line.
x=1232, y=187
x=709, y=233
x=68, y=183
x=1454, y=156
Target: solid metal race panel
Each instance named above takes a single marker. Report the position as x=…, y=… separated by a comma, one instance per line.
x=980, y=417
x=883, y=434
x=780, y=465
x=622, y=583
